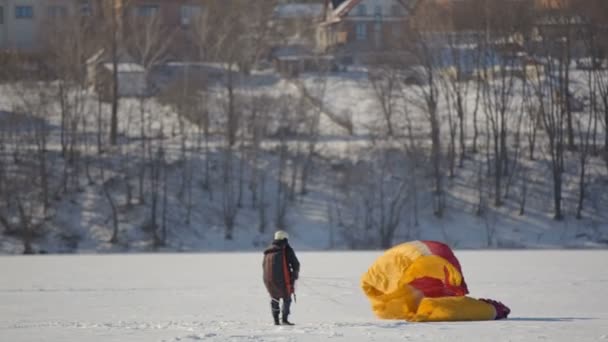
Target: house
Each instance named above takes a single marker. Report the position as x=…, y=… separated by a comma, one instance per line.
x=28, y=28
x=133, y=78
x=293, y=47
x=357, y=28
x=23, y=22
x=569, y=25
x=180, y=14
x=295, y=23
x=177, y=20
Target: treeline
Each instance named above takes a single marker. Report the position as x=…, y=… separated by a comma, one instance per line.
x=495, y=90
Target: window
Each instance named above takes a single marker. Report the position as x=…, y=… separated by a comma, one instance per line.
x=378, y=34
x=396, y=29
x=396, y=10
x=85, y=8
x=147, y=10
x=378, y=13
x=361, y=10
x=188, y=13
x=1, y=15
x=24, y=12
x=378, y=10
x=361, y=31
x=57, y=11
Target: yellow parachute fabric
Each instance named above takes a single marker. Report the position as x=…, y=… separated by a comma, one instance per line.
x=452, y=309
x=407, y=281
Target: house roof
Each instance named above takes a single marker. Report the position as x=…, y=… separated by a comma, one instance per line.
x=125, y=67
x=296, y=10
x=104, y=56
x=345, y=6
x=336, y=3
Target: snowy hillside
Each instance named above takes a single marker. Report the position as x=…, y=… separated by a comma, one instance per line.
x=187, y=205
x=554, y=296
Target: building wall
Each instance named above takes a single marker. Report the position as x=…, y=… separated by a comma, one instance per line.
x=552, y=4
x=3, y=23
x=27, y=33
x=172, y=12
x=370, y=8
x=369, y=26
x=369, y=35
x=19, y=32
x=178, y=17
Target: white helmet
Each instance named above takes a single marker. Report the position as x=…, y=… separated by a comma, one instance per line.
x=281, y=235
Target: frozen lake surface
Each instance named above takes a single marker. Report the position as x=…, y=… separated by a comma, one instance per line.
x=553, y=295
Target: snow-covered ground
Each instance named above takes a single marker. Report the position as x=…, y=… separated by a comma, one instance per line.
x=554, y=296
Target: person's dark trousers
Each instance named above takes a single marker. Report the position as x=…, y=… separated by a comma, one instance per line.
x=274, y=304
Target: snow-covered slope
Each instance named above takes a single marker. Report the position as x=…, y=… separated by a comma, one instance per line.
x=554, y=296
x=81, y=219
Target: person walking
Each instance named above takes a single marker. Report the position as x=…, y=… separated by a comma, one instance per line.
x=281, y=270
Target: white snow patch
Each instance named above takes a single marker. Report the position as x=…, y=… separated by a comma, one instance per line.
x=554, y=295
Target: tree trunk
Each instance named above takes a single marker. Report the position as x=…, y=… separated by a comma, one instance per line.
x=262, y=204
x=163, y=237
x=239, y=200
x=64, y=118
x=497, y=171
x=142, y=169
x=581, y=187
x=436, y=157
x=566, y=91
x=114, y=211
x=524, y=194
x=557, y=192
x=115, y=95
x=99, y=127
x=475, y=111
x=460, y=108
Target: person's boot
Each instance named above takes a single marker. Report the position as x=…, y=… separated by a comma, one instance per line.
x=285, y=321
x=276, y=318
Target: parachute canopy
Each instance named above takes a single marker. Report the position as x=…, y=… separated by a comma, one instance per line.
x=421, y=281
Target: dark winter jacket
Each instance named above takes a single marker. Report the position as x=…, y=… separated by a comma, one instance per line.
x=281, y=269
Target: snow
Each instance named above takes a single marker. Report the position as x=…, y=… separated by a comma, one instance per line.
x=125, y=67
x=554, y=296
x=83, y=218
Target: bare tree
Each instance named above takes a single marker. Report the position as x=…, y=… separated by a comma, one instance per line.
x=497, y=96
x=106, y=186
x=451, y=152
x=585, y=129
x=374, y=196
x=415, y=158
x=114, y=36
x=285, y=126
x=235, y=33
x=462, y=60
x=312, y=127
x=148, y=38
x=547, y=90
x=69, y=44
x=25, y=175
x=385, y=83
x=157, y=167
x=256, y=123
x=263, y=205
x=430, y=93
